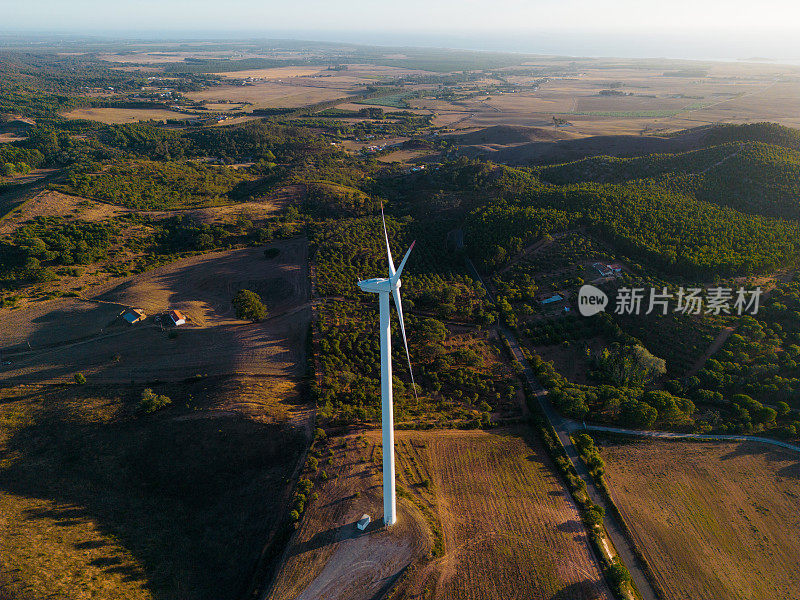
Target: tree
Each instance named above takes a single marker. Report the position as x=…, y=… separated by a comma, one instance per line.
x=431, y=331
x=80, y=378
x=766, y=415
x=249, y=306
x=631, y=366
x=638, y=414
x=151, y=402
x=594, y=516
x=618, y=575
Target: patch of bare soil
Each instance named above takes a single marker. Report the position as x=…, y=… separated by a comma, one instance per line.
x=54, y=339
x=481, y=516
x=328, y=556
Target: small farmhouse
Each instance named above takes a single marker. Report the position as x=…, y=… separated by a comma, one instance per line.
x=177, y=317
x=133, y=315
x=606, y=270
x=602, y=269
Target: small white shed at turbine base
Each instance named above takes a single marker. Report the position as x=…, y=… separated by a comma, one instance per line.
x=363, y=522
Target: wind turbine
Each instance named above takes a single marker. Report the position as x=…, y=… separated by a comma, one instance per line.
x=385, y=287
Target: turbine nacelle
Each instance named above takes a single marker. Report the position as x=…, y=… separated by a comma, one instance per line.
x=379, y=285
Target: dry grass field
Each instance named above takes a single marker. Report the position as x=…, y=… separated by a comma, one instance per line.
x=273, y=73
x=714, y=520
x=490, y=504
x=161, y=53
x=161, y=57
x=69, y=335
x=124, y=115
x=38, y=202
x=7, y=138
x=100, y=501
x=656, y=100
x=263, y=94
x=372, y=71
x=49, y=203
x=402, y=156
x=776, y=102
x=226, y=106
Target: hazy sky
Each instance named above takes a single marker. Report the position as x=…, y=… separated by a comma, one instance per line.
x=408, y=15
x=704, y=29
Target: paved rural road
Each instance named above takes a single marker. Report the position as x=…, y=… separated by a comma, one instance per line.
x=669, y=435
x=563, y=427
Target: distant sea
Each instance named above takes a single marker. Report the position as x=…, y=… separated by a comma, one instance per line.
x=690, y=45
x=781, y=48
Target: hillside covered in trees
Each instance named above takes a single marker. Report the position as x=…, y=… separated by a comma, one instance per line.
x=726, y=208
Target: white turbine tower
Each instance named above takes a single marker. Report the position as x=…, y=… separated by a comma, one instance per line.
x=385, y=287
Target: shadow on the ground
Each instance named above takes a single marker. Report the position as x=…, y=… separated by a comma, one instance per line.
x=787, y=463
x=582, y=590
x=325, y=538
x=193, y=501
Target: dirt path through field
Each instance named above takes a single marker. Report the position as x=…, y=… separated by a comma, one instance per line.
x=510, y=529
x=489, y=501
x=538, y=245
x=328, y=556
x=721, y=338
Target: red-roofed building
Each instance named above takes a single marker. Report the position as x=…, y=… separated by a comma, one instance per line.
x=177, y=318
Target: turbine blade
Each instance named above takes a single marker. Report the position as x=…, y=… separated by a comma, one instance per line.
x=399, y=306
x=388, y=251
x=396, y=276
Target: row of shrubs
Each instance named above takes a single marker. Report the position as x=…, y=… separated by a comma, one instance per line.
x=616, y=573
x=590, y=455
